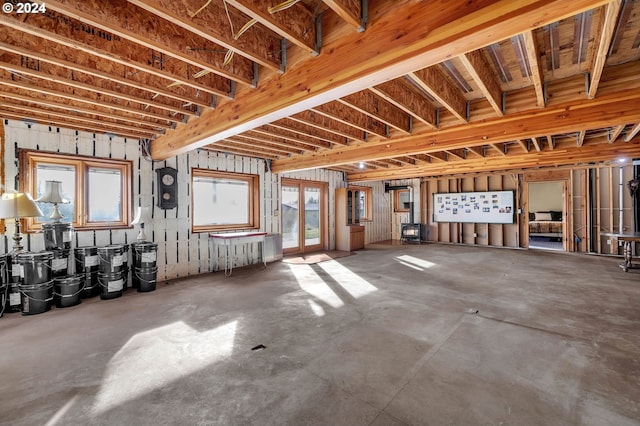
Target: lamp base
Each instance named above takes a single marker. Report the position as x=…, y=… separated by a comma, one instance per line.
x=55, y=216
x=17, y=239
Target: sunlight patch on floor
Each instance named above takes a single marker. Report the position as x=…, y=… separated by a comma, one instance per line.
x=153, y=359
x=312, y=283
x=414, y=262
x=353, y=283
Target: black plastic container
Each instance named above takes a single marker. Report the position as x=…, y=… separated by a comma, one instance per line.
x=86, y=259
x=145, y=278
x=111, y=284
x=35, y=268
x=144, y=254
x=36, y=298
x=91, y=285
x=67, y=290
x=60, y=263
x=111, y=259
x=57, y=235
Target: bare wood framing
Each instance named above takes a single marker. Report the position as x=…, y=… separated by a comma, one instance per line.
x=611, y=14
x=479, y=68
x=434, y=82
x=632, y=133
x=533, y=54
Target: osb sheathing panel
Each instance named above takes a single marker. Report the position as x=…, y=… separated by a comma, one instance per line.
x=296, y=126
x=317, y=120
x=65, y=77
x=94, y=64
x=72, y=32
x=352, y=117
x=68, y=104
x=127, y=21
x=213, y=20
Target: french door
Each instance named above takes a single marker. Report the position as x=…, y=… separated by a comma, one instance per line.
x=303, y=207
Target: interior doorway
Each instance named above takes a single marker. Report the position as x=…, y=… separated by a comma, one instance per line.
x=303, y=207
x=547, y=212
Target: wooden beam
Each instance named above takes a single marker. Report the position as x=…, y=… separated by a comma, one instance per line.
x=57, y=76
x=536, y=144
x=422, y=38
x=475, y=150
x=71, y=124
x=36, y=49
x=250, y=143
x=580, y=137
x=60, y=117
x=454, y=154
x=300, y=126
x=479, y=68
x=350, y=11
x=550, y=142
x=70, y=103
x=523, y=145
x=257, y=43
x=346, y=115
x=153, y=32
x=632, y=133
x=294, y=23
x=433, y=81
x=294, y=137
x=91, y=106
x=495, y=147
x=400, y=94
x=229, y=149
x=612, y=10
x=379, y=108
x=616, y=132
x=599, y=112
x=566, y=156
x=537, y=76
x=119, y=50
x=325, y=122
x=258, y=136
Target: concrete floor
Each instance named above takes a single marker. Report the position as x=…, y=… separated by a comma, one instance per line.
x=393, y=335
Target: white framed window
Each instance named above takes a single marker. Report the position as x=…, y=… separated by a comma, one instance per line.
x=224, y=201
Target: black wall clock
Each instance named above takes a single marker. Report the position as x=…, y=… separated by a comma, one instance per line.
x=167, y=195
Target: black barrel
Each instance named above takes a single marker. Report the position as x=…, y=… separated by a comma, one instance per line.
x=86, y=259
x=4, y=282
x=145, y=254
x=57, y=235
x=60, y=263
x=111, y=284
x=35, y=268
x=111, y=259
x=13, y=301
x=67, y=290
x=91, y=285
x=145, y=279
x=36, y=298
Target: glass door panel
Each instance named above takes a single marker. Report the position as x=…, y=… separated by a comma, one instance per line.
x=312, y=217
x=290, y=218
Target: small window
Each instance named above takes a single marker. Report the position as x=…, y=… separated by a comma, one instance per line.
x=364, y=202
x=98, y=190
x=224, y=201
x=402, y=202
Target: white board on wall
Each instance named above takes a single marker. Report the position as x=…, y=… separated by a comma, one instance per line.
x=474, y=207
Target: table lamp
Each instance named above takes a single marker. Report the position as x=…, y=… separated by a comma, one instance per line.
x=53, y=195
x=143, y=215
x=18, y=205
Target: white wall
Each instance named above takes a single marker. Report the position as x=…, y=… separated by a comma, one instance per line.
x=180, y=252
x=545, y=196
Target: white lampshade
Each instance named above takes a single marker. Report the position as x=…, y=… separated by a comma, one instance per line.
x=18, y=204
x=143, y=214
x=52, y=193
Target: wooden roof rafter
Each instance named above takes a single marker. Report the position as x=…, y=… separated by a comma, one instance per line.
x=142, y=28
x=163, y=67
x=612, y=10
x=615, y=133
x=296, y=23
x=479, y=68
x=403, y=96
x=632, y=133
x=32, y=48
x=369, y=103
x=257, y=43
x=433, y=81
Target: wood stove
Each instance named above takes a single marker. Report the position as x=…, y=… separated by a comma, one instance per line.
x=413, y=232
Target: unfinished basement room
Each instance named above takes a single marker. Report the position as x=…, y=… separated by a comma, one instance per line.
x=320, y=212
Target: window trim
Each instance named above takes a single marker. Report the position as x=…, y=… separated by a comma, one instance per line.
x=396, y=205
x=368, y=202
x=253, y=202
x=29, y=159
